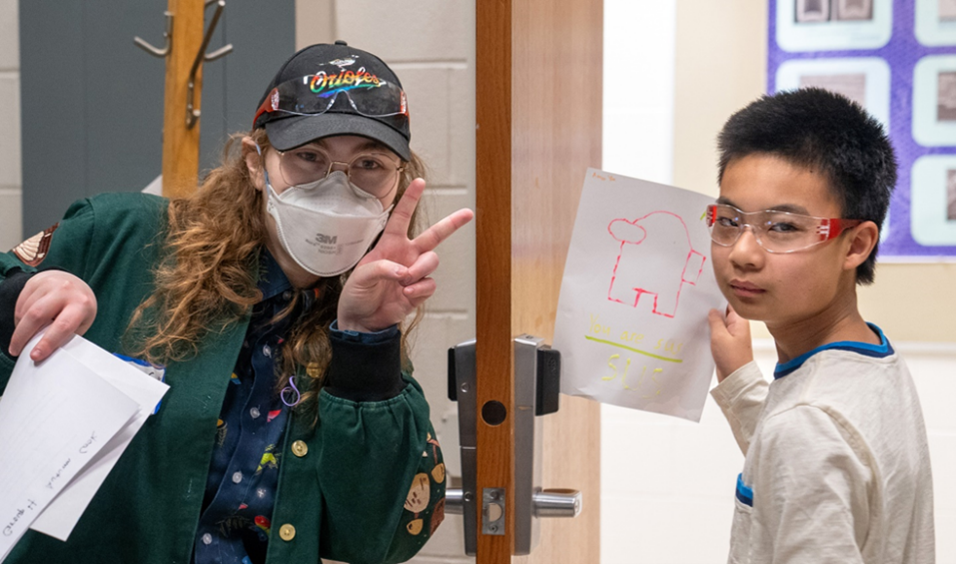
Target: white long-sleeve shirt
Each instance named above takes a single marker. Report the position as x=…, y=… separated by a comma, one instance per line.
x=837, y=465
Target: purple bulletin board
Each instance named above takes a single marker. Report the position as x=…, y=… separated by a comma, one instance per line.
x=897, y=58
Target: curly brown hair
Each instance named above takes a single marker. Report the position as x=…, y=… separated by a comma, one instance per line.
x=209, y=280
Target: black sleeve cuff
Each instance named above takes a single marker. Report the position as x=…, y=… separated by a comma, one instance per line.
x=10, y=290
x=365, y=371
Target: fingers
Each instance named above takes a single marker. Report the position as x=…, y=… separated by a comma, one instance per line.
x=717, y=325
x=737, y=326
x=373, y=272
x=35, y=308
x=402, y=214
x=442, y=230
x=64, y=316
x=417, y=293
x=423, y=266
x=418, y=286
x=380, y=270
x=66, y=324
x=731, y=314
x=54, y=298
x=27, y=324
x=729, y=342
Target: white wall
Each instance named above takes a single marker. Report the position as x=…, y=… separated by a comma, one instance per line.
x=10, y=171
x=638, y=125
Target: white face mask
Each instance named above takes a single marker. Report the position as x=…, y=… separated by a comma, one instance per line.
x=325, y=226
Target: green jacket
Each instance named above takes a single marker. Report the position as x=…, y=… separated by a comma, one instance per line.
x=368, y=488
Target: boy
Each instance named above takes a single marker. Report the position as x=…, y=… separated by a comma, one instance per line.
x=837, y=465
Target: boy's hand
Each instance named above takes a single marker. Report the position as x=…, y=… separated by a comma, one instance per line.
x=729, y=342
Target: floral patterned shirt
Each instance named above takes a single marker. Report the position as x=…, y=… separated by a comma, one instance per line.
x=240, y=490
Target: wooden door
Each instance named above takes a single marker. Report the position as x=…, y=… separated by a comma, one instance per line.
x=538, y=112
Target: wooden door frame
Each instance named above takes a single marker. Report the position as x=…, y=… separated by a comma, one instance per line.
x=494, y=353
x=538, y=114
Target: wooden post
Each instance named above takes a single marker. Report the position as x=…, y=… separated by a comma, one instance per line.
x=180, y=143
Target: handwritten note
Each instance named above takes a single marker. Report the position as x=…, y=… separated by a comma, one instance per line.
x=55, y=418
x=62, y=515
x=638, y=283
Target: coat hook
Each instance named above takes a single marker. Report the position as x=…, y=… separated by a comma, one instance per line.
x=167, y=36
x=192, y=115
x=219, y=53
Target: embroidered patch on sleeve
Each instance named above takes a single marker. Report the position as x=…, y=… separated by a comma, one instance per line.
x=32, y=251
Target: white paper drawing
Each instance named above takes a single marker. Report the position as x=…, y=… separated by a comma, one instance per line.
x=649, y=238
x=638, y=284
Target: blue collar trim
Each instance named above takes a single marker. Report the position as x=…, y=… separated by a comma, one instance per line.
x=882, y=350
x=744, y=494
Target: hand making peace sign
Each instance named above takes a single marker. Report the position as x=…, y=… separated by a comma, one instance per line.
x=393, y=278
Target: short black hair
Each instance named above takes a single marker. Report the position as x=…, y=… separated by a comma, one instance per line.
x=819, y=129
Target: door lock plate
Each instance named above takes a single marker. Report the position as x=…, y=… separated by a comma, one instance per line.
x=493, y=511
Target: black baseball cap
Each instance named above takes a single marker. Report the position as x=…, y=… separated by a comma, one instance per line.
x=335, y=89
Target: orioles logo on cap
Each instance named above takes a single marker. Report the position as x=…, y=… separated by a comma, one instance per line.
x=344, y=80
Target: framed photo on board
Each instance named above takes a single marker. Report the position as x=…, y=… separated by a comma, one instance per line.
x=896, y=59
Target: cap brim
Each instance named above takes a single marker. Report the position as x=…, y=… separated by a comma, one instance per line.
x=288, y=133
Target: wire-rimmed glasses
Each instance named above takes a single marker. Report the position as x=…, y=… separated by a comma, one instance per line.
x=375, y=173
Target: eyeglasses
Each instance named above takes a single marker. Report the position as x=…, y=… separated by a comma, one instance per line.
x=314, y=94
x=376, y=174
x=775, y=231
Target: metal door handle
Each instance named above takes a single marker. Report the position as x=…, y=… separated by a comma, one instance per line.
x=557, y=503
x=537, y=385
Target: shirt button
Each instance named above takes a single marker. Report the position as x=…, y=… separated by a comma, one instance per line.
x=237, y=477
x=207, y=539
x=300, y=449
x=287, y=295
x=254, y=412
x=287, y=532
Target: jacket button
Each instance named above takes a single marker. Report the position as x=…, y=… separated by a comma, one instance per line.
x=300, y=449
x=286, y=532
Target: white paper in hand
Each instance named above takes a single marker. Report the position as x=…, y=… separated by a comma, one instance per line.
x=638, y=284
x=62, y=515
x=54, y=418
x=80, y=392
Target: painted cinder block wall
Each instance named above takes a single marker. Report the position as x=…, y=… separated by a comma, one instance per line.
x=10, y=172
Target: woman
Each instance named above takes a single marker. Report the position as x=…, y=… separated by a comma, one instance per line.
x=292, y=429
